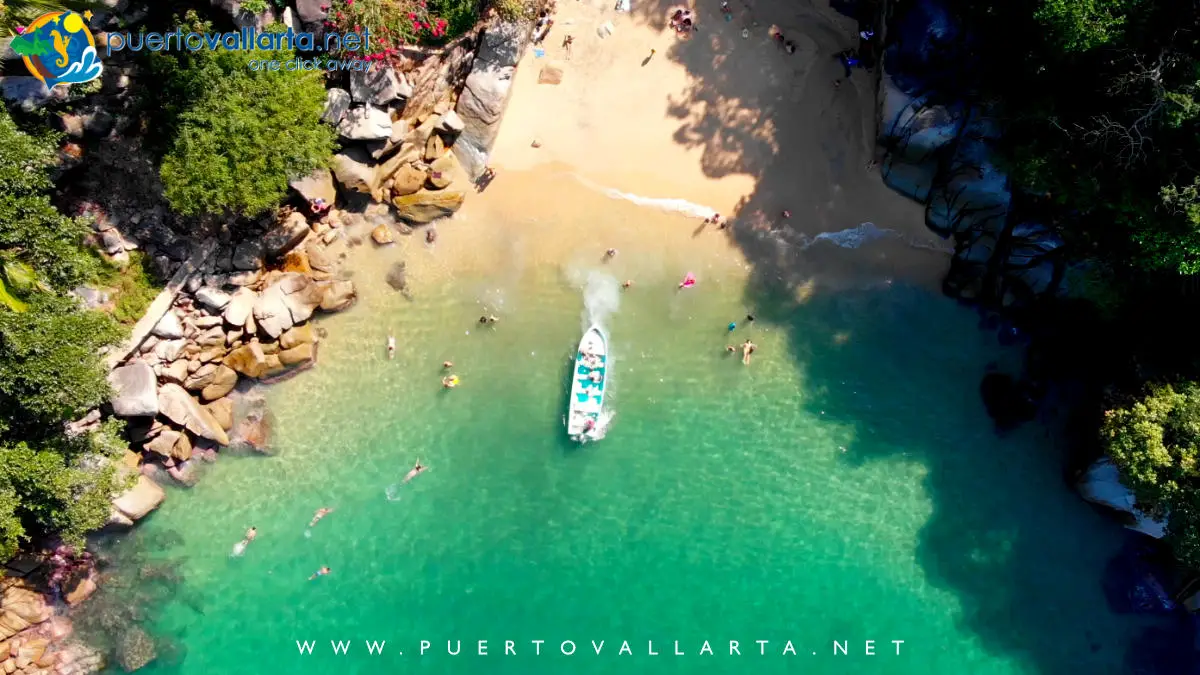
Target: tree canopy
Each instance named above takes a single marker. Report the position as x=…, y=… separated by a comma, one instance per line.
x=1155, y=442
x=237, y=135
x=50, y=367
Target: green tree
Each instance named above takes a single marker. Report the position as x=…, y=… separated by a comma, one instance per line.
x=1155, y=443
x=239, y=134
x=50, y=367
x=32, y=231
x=1079, y=25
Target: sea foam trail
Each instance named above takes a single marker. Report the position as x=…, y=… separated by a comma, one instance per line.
x=669, y=204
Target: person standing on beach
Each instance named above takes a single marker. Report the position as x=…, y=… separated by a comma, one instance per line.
x=566, y=43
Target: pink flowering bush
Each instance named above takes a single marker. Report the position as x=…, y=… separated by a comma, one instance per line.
x=398, y=22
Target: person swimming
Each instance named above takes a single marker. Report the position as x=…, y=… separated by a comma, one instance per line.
x=732, y=326
x=628, y=283
x=450, y=381
x=610, y=253
x=391, y=346
x=251, y=534
x=447, y=364
x=321, y=513
x=748, y=348
x=730, y=349
x=417, y=469
x=488, y=318
x=320, y=573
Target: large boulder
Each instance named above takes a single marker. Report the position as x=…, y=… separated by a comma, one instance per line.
x=312, y=11
x=286, y=235
x=249, y=360
x=365, y=124
x=354, y=170
x=213, y=298
x=426, y=206
x=408, y=180
x=248, y=255
x=169, y=327
x=20, y=608
x=222, y=412
x=271, y=313
x=301, y=354
x=135, y=390
x=481, y=106
x=338, y=295
x=177, y=405
x=139, y=500
x=164, y=442
x=241, y=304
x=377, y=86
x=223, y=381
x=297, y=336
x=382, y=235
x=337, y=104
x=301, y=295
x=1101, y=484
x=316, y=185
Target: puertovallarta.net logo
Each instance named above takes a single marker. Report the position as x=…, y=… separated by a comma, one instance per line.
x=58, y=48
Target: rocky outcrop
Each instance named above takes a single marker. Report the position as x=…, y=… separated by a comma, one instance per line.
x=177, y=405
x=427, y=205
x=316, y=185
x=940, y=150
x=1101, y=484
x=135, y=390
x=365, y=124
x=486, y=92
x=138, y=501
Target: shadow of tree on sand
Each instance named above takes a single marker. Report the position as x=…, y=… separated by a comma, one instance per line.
x=1022, y=553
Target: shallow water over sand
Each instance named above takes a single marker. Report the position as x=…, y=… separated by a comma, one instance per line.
x=846, y=486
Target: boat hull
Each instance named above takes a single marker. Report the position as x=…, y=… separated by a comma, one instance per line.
x=589, y=380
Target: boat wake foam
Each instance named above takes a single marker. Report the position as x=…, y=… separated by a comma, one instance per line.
x=668, y=204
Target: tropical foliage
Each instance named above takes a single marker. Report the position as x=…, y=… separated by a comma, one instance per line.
x=50, y=369
x=237, y=135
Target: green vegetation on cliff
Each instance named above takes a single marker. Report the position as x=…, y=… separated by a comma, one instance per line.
x=50, y=370
x=1155, y=442
x=235, y=136
x=1102, y=121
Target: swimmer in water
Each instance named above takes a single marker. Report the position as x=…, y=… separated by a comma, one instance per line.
x=321, y=513
x=251, y=534
x=748, y=348
x=320, y=573
x=416, y=470
x=610, y=253
x=732, y=326
x=628, y=283
x=488, y=318
x=730, y=349
x=450, y=381
x=391, y=346
x=447, y=364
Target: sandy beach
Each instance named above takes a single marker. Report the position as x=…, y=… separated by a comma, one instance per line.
x=711, y=123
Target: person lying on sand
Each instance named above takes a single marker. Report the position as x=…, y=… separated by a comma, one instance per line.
x=416, y=471
x=321, y=513
x=320, y=573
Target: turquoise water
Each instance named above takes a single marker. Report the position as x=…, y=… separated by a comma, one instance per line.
x=845, y=486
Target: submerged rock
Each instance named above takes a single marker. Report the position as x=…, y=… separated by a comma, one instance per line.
x=1006, y=400
x=135, y=649
x=397, y=276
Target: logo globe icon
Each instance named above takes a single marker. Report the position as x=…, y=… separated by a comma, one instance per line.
x=58, y=48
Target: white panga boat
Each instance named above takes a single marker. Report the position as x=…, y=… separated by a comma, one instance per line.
x=588, y=381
